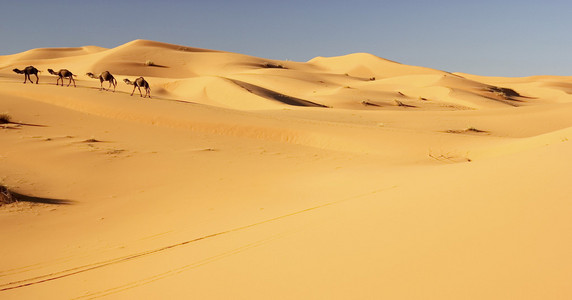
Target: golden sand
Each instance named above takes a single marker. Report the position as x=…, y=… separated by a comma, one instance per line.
x=349, y=177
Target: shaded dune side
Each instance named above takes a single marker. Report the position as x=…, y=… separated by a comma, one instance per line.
x=273, y=95
x=487, y=92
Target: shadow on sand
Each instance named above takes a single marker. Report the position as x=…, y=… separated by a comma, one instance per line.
x=40, y=200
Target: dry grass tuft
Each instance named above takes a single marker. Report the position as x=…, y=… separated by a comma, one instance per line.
x=369, y=103
x=467, y=130
x=91, y=141
x=399, y=103
x=505, y=93
x=5, y=196
x=5, y=119
x=273, y=66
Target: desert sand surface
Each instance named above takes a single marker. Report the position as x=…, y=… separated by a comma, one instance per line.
x=350, y=177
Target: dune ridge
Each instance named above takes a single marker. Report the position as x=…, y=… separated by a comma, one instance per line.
x=251, y=178
x=338, y=82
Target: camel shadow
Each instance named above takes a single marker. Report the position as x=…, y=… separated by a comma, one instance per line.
x=41, y=200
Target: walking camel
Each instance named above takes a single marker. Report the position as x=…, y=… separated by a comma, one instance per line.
x=63, y=73
x=29, y=70
x=139, y=83
x=105, y=76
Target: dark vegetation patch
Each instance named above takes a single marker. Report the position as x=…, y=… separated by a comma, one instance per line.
x=467, y=130
x=6, y=196
x=91, y=141
x=269, y=65
x=504, y=93
x=5, y=119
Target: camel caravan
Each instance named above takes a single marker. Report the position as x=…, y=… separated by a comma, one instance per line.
x=104, y=76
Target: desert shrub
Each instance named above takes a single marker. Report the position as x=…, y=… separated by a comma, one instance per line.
x=399, y=103
x=5, y=118
x=149, y=63
x=473, y=129
x=5, y=196
x=505, y=93
x=272, y=65
x=467, y=130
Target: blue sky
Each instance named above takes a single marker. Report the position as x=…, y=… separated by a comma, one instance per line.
x=495, y=38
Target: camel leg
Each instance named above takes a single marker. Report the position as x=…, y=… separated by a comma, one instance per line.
x=37, y=78
x=140, y=94
x=71, y=79
x=26, y=78
x=133, y=90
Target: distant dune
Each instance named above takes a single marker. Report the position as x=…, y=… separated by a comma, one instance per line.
x=350, y=177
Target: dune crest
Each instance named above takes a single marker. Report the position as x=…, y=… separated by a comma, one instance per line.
x=338, y=82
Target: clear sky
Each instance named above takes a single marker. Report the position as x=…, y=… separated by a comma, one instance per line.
x=496, y=38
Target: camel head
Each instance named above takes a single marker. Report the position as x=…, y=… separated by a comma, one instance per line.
x=52, y=72
x=127, y=81
x=17, y=71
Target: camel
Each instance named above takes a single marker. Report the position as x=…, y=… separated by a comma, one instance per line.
x=105, y=76
x=63, y=73
x=29, y=70
x=139, y=83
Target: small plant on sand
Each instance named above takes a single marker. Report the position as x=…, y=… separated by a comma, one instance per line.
x=473, y=129
x=273, y=66
x=399, y=103
x=5, y=119
x=149, y=63
x=369, y=103
x=5, y=196
x=91, y=141
x=505, y=93
x=467, y=130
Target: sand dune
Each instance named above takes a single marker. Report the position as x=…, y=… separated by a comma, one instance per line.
x=350, y=177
